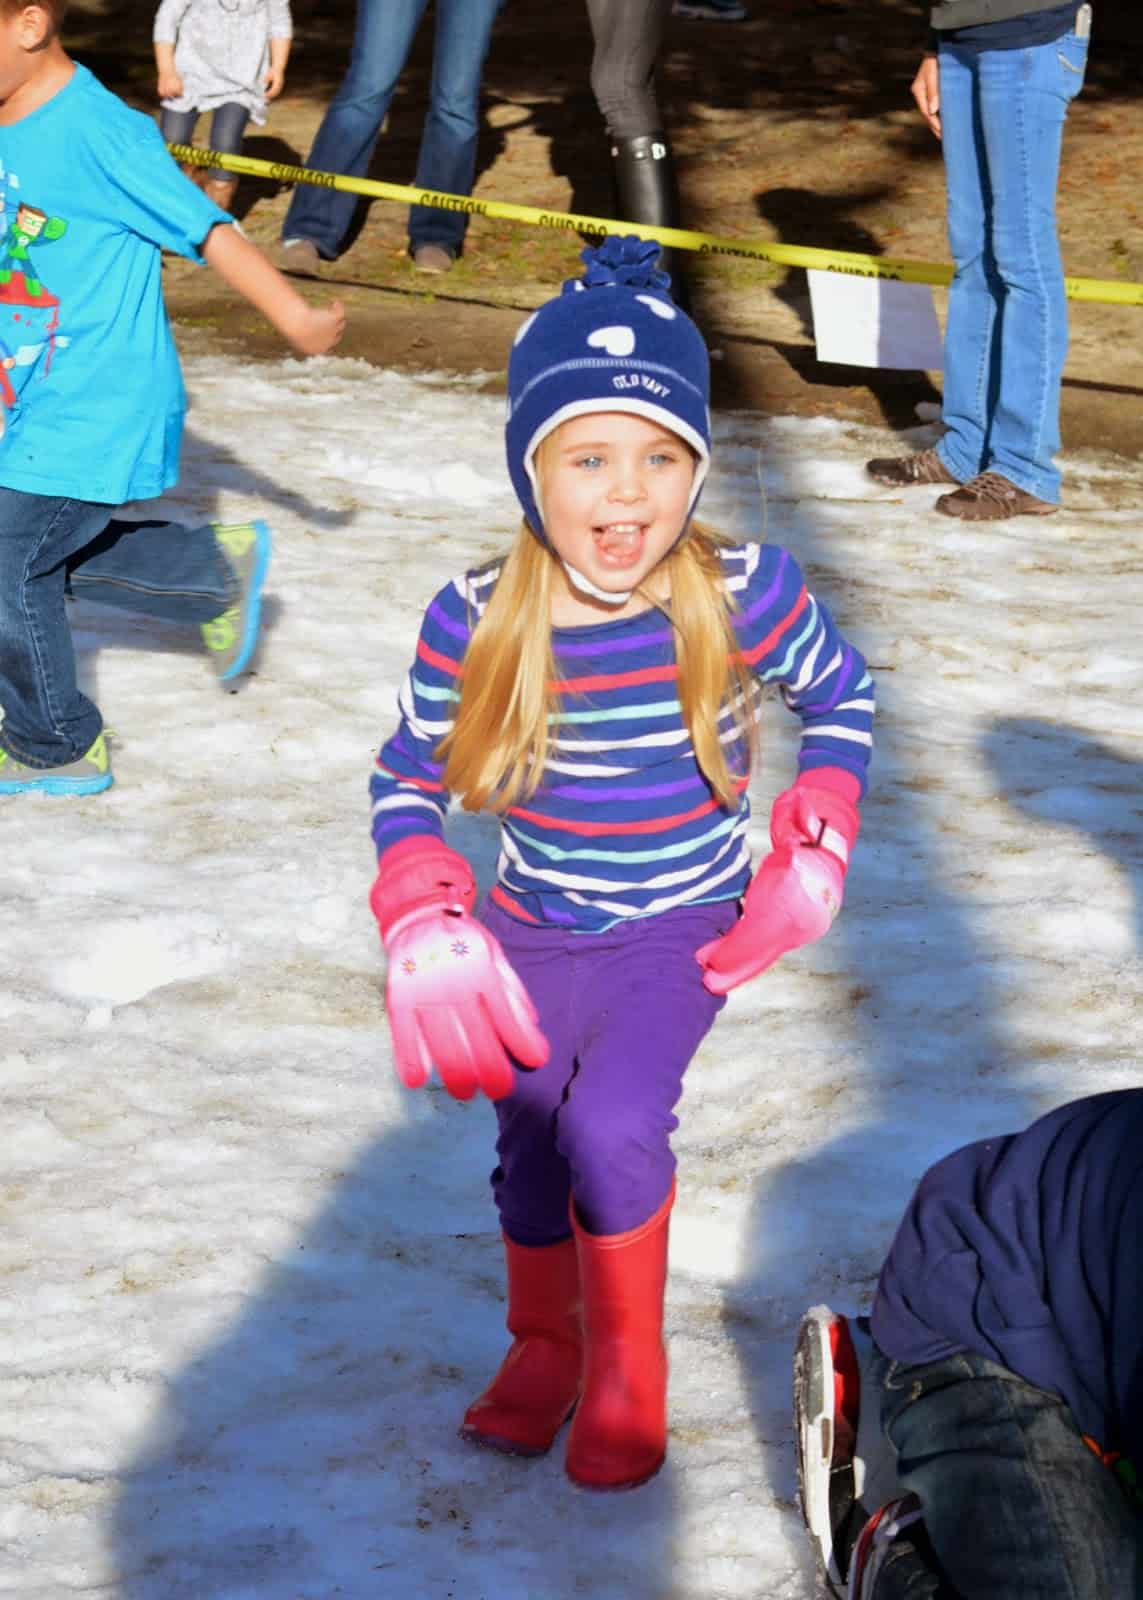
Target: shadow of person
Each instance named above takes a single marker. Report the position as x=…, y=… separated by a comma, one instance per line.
x=826, y=222
x=1061, y=777
x=310, y=1446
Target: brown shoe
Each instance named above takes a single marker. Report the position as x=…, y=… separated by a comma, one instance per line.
x=900, y=472
x=432, y=258
x=989, y=498
x=299, y=256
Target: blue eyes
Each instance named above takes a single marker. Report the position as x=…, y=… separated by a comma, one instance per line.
x=659, y=458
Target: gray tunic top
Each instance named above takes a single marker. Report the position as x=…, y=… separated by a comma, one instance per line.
x=222, y=50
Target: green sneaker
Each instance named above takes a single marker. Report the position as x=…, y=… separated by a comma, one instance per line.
x=231, y=637
x=89, y=775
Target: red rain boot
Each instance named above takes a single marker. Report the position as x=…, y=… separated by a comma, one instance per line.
x=532, y=1395
x=619, y=1436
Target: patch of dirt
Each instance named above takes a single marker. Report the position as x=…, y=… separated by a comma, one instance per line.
x=795, y=126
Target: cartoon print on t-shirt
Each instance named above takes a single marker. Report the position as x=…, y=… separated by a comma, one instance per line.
x=29, y=311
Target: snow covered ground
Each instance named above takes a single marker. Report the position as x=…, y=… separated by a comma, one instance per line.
x=250, y=1283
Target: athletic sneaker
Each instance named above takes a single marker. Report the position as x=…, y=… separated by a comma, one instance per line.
x=875, y=1542
x=231, y=637
x=712, y=10
x=846, y=1467
x=89, y=775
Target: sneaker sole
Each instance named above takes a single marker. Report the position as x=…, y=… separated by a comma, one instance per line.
x=253, y=618
x=58, y=785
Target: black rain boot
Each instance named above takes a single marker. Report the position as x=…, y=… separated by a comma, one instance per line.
x=648, y=191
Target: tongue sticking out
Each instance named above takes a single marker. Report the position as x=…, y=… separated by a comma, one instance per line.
x=619, y=546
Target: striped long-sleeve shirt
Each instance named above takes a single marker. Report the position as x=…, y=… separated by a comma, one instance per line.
x=623, y=823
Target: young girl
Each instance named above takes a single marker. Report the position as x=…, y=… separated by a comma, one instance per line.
x=597, y=687
x=225, y=56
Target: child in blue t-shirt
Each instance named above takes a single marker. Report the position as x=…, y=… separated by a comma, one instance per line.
x=92, y=399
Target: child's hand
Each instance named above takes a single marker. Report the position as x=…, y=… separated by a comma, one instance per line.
x=792, y=900
x=455, y=1004
x=798, y=890
x=170, y=84
x=275, y=82
x=318, y=329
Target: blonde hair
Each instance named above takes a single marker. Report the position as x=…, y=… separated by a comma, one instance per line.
x=495, y=753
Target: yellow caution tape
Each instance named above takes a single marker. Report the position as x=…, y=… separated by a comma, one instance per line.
x=1108, y=291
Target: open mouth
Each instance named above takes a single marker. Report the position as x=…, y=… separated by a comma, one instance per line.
x=620, y=544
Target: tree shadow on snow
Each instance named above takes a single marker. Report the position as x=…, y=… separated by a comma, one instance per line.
x=311, y=1451
x=1062, y=777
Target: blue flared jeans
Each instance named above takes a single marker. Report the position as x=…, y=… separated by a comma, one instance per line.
x=1016, y=1506
x=1002, y=119
x=50, y=546
x=348, y=134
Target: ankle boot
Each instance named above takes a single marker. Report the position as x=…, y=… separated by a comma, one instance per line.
x=220, y=190
x=648, y=191
x=618, y=1437
x=532, y=1395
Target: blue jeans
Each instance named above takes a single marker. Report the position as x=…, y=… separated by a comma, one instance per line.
x=348, y=133
x=49, y=546
x=1002, y=118
x=1016, y=1506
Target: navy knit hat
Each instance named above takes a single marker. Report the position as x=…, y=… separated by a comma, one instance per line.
x=613, y=340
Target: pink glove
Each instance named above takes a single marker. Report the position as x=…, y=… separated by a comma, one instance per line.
x=453, y=1000
x=798, y=890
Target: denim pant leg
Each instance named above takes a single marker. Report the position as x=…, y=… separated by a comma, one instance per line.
x=972, y=329
x=447, y=157
x=48, y=722
x=1016, y=1506
x=162, y=569
x=348, y=134
x=1023, y=104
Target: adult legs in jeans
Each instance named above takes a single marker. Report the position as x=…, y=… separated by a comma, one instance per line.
x=447, y=157
x=348, y=134
x=1016, y=1506
x=48, y=544
x=382, y=37
x=1002, y=116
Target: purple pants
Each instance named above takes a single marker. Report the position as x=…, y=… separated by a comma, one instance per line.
x=624, y=1012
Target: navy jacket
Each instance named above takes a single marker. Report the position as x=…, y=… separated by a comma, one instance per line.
x=1028, y=1249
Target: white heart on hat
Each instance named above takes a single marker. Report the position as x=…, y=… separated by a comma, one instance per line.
x=661, y=308
x=617, y=341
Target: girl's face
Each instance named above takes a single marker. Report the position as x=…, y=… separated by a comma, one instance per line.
x=615, y=490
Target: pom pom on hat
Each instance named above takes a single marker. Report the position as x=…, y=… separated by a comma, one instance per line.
x=612, y=340
x=629, y=261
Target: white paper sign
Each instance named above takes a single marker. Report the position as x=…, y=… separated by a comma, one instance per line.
x=874, y=322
